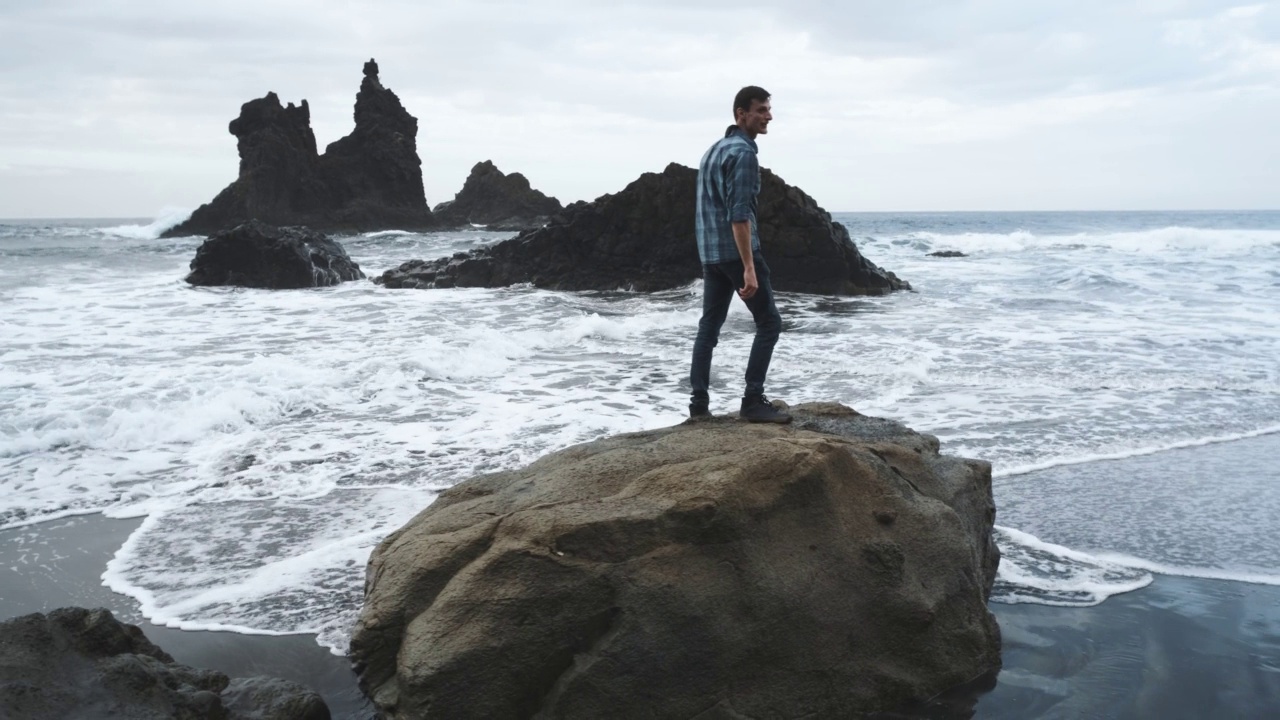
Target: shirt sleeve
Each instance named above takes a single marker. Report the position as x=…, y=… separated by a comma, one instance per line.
x=742, y=172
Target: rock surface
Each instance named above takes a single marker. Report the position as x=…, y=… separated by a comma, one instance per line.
x=498, y=201
x=78, y=663
x=642, y=238
x=368, y=180
x=714, y=569
x=262, y=256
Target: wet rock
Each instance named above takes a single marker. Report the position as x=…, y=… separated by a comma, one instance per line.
x=642, y=238
x=368, y=180
x=947, y=254
x=498, y=201
x=712, y=567
x=78, y=663
x=262, y=256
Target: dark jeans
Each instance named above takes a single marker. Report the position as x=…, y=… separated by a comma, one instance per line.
x=720, y=284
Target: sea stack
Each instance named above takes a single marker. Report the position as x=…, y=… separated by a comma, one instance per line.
x=497, y=201
x=368, y=180
x=642, y=238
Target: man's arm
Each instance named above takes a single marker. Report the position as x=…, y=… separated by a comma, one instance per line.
x=744, y=172
x=742, y=238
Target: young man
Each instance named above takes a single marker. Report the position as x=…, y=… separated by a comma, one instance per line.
x=729, y=246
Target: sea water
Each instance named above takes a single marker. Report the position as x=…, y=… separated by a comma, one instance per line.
x=271, y=438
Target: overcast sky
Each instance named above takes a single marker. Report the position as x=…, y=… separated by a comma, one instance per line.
x=119, y=108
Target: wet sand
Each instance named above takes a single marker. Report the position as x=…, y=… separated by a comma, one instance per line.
x=1179, y=648
x=60, y=563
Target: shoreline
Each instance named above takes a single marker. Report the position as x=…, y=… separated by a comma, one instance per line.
x=1179, y=647
x=60, y=563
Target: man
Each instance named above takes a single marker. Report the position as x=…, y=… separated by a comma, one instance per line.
x=729, y=246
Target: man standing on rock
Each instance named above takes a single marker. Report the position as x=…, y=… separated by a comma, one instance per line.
x=729, y=246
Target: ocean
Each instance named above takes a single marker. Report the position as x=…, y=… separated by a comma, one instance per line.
x=270, y=439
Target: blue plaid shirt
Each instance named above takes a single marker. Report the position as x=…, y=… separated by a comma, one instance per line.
x=728, y=183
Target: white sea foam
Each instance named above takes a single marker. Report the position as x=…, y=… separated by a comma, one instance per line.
x=1159, y=241
x=270, y=438
x=1032, y=570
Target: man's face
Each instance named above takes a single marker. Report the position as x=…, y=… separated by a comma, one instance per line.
x=755, y=121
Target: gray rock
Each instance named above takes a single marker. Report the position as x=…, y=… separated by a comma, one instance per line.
x=75, y=663
x=263, y=256
x=262, y=698
x=498, y=201
x=835, y=567
x=642, y=238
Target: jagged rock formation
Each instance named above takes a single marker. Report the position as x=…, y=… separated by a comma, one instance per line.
x=498, y=201
x=642, y=238
x=262, y=256
x=368, y=180
x=713, y=569
x=78, y=663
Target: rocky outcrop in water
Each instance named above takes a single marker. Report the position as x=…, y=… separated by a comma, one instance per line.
x=714, y=569
x=498, y=201
x=258, y=255
x=642, y=238
x=78, y=663
x=368, y=180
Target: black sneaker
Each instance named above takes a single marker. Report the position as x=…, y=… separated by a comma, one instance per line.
x=700, y=408
x=758, y=409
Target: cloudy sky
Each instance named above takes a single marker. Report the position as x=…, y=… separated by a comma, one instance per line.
x=119, y=108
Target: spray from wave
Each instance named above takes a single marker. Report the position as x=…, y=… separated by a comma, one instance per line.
x=166, y=219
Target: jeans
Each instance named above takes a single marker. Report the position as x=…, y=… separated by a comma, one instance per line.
x=720, y=283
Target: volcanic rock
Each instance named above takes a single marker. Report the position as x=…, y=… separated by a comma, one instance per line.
x=262, y=256
x=830, y=568
x=498, y=201
x=78, y=663
x=642, y=238
x=368, y=180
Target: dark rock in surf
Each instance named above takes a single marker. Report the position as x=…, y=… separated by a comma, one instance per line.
x=642, y=238
x=368, y=180
x=498, y=201
x=78, y=663
x=947, y=254
x=258, y=255
x=715, y=569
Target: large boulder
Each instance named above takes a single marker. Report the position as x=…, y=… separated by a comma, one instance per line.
x=78, y=663
x=642, y=238
x=498, y=201
x=368, y=180
x=263, y=256
x=714, y=569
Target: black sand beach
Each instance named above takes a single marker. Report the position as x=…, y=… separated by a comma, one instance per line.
x=1179, y=648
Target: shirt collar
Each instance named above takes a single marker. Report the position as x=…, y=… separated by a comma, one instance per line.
x=735, y=130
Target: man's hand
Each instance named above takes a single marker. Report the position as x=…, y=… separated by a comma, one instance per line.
x=742, y=238
x=749, y=284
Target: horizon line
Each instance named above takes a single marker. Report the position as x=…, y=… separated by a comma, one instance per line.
x=833, y=212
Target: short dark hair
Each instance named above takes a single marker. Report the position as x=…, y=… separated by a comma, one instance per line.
x=746, y=95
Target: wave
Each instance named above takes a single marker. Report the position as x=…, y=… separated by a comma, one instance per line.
x=1147, y=242
x=1034, y=571
x=166, y=219
x=387, y=233
x=1135, y=452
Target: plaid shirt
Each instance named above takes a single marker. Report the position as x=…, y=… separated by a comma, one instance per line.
x=728, y=183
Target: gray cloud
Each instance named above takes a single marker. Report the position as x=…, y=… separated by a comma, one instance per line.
x=917, y=104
